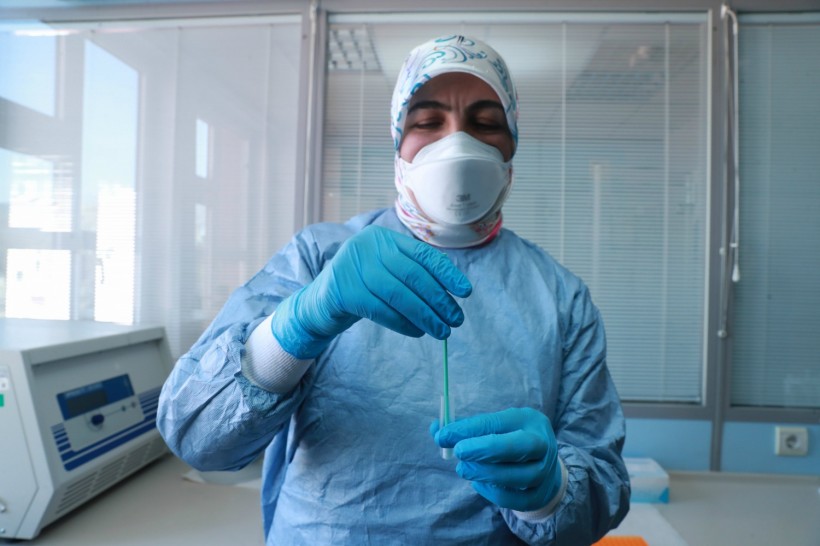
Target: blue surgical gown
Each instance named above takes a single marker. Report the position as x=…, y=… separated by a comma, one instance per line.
x=348, y=454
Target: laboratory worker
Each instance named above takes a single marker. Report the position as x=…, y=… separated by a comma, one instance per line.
x=330, y=359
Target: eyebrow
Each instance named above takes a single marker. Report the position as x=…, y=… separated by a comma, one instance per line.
x=436, y=105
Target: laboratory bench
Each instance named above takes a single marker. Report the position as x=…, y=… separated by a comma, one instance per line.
x=731, y=509
x=158, y=507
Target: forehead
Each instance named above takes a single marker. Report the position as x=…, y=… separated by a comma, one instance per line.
x=455, y=86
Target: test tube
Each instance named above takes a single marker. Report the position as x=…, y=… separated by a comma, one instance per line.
x=446, y=414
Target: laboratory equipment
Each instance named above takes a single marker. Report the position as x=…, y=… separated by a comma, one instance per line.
x=78, y=404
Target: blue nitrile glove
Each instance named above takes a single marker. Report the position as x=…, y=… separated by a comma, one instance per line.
x=392, y=279
x=511, y=457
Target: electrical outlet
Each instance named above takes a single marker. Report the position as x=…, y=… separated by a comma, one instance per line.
x=793, y=441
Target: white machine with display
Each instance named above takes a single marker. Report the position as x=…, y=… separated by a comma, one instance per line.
x=78, y=406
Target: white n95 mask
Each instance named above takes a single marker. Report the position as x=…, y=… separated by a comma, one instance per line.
x=457, y=180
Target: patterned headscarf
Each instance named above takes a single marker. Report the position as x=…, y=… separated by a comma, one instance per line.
x=452, y=54
x=439, y=56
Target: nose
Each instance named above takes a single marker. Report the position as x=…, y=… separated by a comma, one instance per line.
x=454, y=124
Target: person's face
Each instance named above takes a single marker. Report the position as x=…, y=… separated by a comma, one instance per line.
x=454, y=102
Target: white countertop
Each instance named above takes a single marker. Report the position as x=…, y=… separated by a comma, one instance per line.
x=727, y=509
x=156, y=506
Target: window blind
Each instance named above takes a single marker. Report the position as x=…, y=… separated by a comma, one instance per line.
x=611, y=173
x=775, y=342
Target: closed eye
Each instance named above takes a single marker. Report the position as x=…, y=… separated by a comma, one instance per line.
x=489, y=125
x=427, y=124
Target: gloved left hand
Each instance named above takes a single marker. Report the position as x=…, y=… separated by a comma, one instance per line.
x=511, y=457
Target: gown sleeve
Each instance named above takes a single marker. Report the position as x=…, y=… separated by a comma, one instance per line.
x=590, y=431
x=210, y=414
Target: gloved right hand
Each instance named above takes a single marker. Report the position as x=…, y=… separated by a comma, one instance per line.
x=392, y=279
x=510, y=457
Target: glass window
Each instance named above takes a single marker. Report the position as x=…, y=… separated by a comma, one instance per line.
x=37, y=196
x=38, y=283
x=109, y=154
x=170, y=180
x=775, y=345
x=22, y=46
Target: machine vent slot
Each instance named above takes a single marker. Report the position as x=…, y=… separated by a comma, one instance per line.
x=75, y=494
x=85, y=488
x=135, y=459
x=158, y=448
x=108, y=475
x=144, y=455
x=128, y=464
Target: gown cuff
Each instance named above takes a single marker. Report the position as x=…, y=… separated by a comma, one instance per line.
x=541, y=514
x=267, y=365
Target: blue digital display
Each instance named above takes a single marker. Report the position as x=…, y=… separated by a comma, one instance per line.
x=93, y=396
